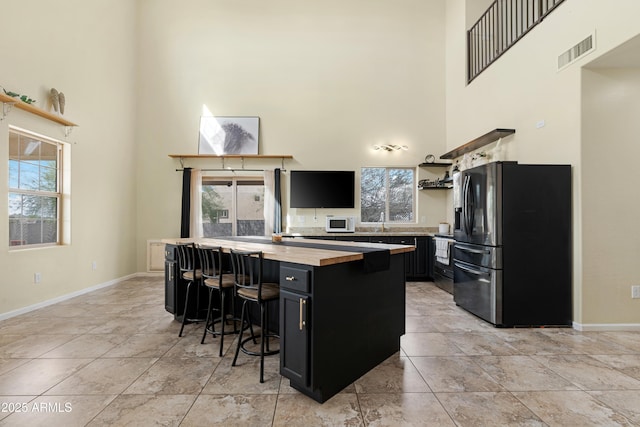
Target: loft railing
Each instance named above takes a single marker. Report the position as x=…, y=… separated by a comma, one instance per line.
x=500, y=27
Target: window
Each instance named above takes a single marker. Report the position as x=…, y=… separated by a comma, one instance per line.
x=232, y=206
x=34, y=189
x=387, y=194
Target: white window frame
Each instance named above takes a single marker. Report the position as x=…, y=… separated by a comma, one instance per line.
x=62, y=193
x=386, y=209
x=231, y=215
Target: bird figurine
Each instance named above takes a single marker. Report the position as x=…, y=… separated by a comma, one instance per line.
x=12, y=94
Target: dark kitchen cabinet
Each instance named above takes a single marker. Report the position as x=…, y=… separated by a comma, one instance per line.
x=419, y=263
x=170, y=278
x=295, y=306
x=175, y=289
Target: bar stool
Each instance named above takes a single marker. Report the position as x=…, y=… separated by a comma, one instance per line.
x=189, y=271
x=214, y=279
x=247, y=271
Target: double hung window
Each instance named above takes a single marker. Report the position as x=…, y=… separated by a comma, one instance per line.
x=387, y=195
x=35, y=175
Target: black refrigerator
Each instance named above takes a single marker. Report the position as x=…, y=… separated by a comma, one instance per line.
x=513, y=251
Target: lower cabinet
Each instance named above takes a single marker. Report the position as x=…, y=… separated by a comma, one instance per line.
x=295, y=306
x=170, y=278
x=418, y=264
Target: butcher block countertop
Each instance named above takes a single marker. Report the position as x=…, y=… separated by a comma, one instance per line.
x=316, y=256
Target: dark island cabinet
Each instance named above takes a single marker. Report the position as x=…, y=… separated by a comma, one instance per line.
x=295, y=305
x=170, y=278
x=418, y=264
x=294, y=358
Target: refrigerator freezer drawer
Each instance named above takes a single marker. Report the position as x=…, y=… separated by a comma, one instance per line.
x=479, y=291
x=487, y=256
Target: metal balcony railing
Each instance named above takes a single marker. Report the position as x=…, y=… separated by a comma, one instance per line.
x=500, y=27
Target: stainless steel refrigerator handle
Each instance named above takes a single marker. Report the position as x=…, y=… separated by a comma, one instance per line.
x=472, y=271
x=465, y=204
x=473, y=251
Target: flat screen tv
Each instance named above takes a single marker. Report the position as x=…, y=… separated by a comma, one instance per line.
x=322, y=189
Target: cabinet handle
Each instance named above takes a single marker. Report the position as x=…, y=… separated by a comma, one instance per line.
x=302, y=304
x=290, y=278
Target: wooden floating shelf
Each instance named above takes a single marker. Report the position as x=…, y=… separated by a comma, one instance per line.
x=18, y=103
x=485, y=139
x=231, y=156
x=440, y=165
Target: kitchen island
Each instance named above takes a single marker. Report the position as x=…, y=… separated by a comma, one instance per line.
x=341, y=307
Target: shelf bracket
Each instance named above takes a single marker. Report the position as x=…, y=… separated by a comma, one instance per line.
x=67, y=131
x=6, y=108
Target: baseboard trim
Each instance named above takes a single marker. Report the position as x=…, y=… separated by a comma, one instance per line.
x=607, y=327
x=30, y=308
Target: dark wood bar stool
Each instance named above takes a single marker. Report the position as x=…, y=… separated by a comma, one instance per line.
x=189, y=271
x=215, y=279
x=247, y=271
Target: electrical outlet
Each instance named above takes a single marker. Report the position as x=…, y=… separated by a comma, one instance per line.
x=37, y=278
x=635, y=291
x=94, y=265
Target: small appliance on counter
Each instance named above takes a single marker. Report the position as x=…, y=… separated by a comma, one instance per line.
x=340, y=224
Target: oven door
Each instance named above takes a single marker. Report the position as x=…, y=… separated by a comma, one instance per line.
x=478, y=290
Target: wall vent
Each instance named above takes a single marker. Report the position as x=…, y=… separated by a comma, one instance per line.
x=155, y=255
x=586, y=46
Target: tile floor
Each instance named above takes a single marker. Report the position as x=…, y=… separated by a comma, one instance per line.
x=113, y=358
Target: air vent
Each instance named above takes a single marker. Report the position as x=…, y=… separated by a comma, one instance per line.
x=586, y=46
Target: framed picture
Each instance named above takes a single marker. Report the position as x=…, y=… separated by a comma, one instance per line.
x=228, y=135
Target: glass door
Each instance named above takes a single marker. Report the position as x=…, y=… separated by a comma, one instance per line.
x=232, y=207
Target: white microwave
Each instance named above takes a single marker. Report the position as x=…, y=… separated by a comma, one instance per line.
x=340, y=224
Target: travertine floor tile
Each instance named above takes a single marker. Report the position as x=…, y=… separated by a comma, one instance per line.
x=403, y=409
x=231, y=410
x=175, y=376
x=454, y=374
x=589, y=373
x=523, y=373
x=115, y=356
x=395, y=375
x=299, y=410
x=144, y=410
x=39, y=375
x=626, y=402
x=429, y=344
x=103, y=376
x=488, y=409
x=68, y=411
x=571, y=408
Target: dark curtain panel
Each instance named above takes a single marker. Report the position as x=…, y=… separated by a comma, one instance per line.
x=186, y=203
x=277, y=195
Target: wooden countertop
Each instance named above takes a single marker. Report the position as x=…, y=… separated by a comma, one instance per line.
x=296, y=254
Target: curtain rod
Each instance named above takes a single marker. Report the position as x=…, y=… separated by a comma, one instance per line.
x=232, y=170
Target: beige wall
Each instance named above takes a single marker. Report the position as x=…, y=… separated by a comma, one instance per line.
x=523, y=88
x=610, y=152
x=327, y=79
x=85, y=50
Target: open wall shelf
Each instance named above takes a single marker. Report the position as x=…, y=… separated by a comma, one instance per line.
x=15, y=102
x=224, y=157
x=231, y=156
x=485, y=139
